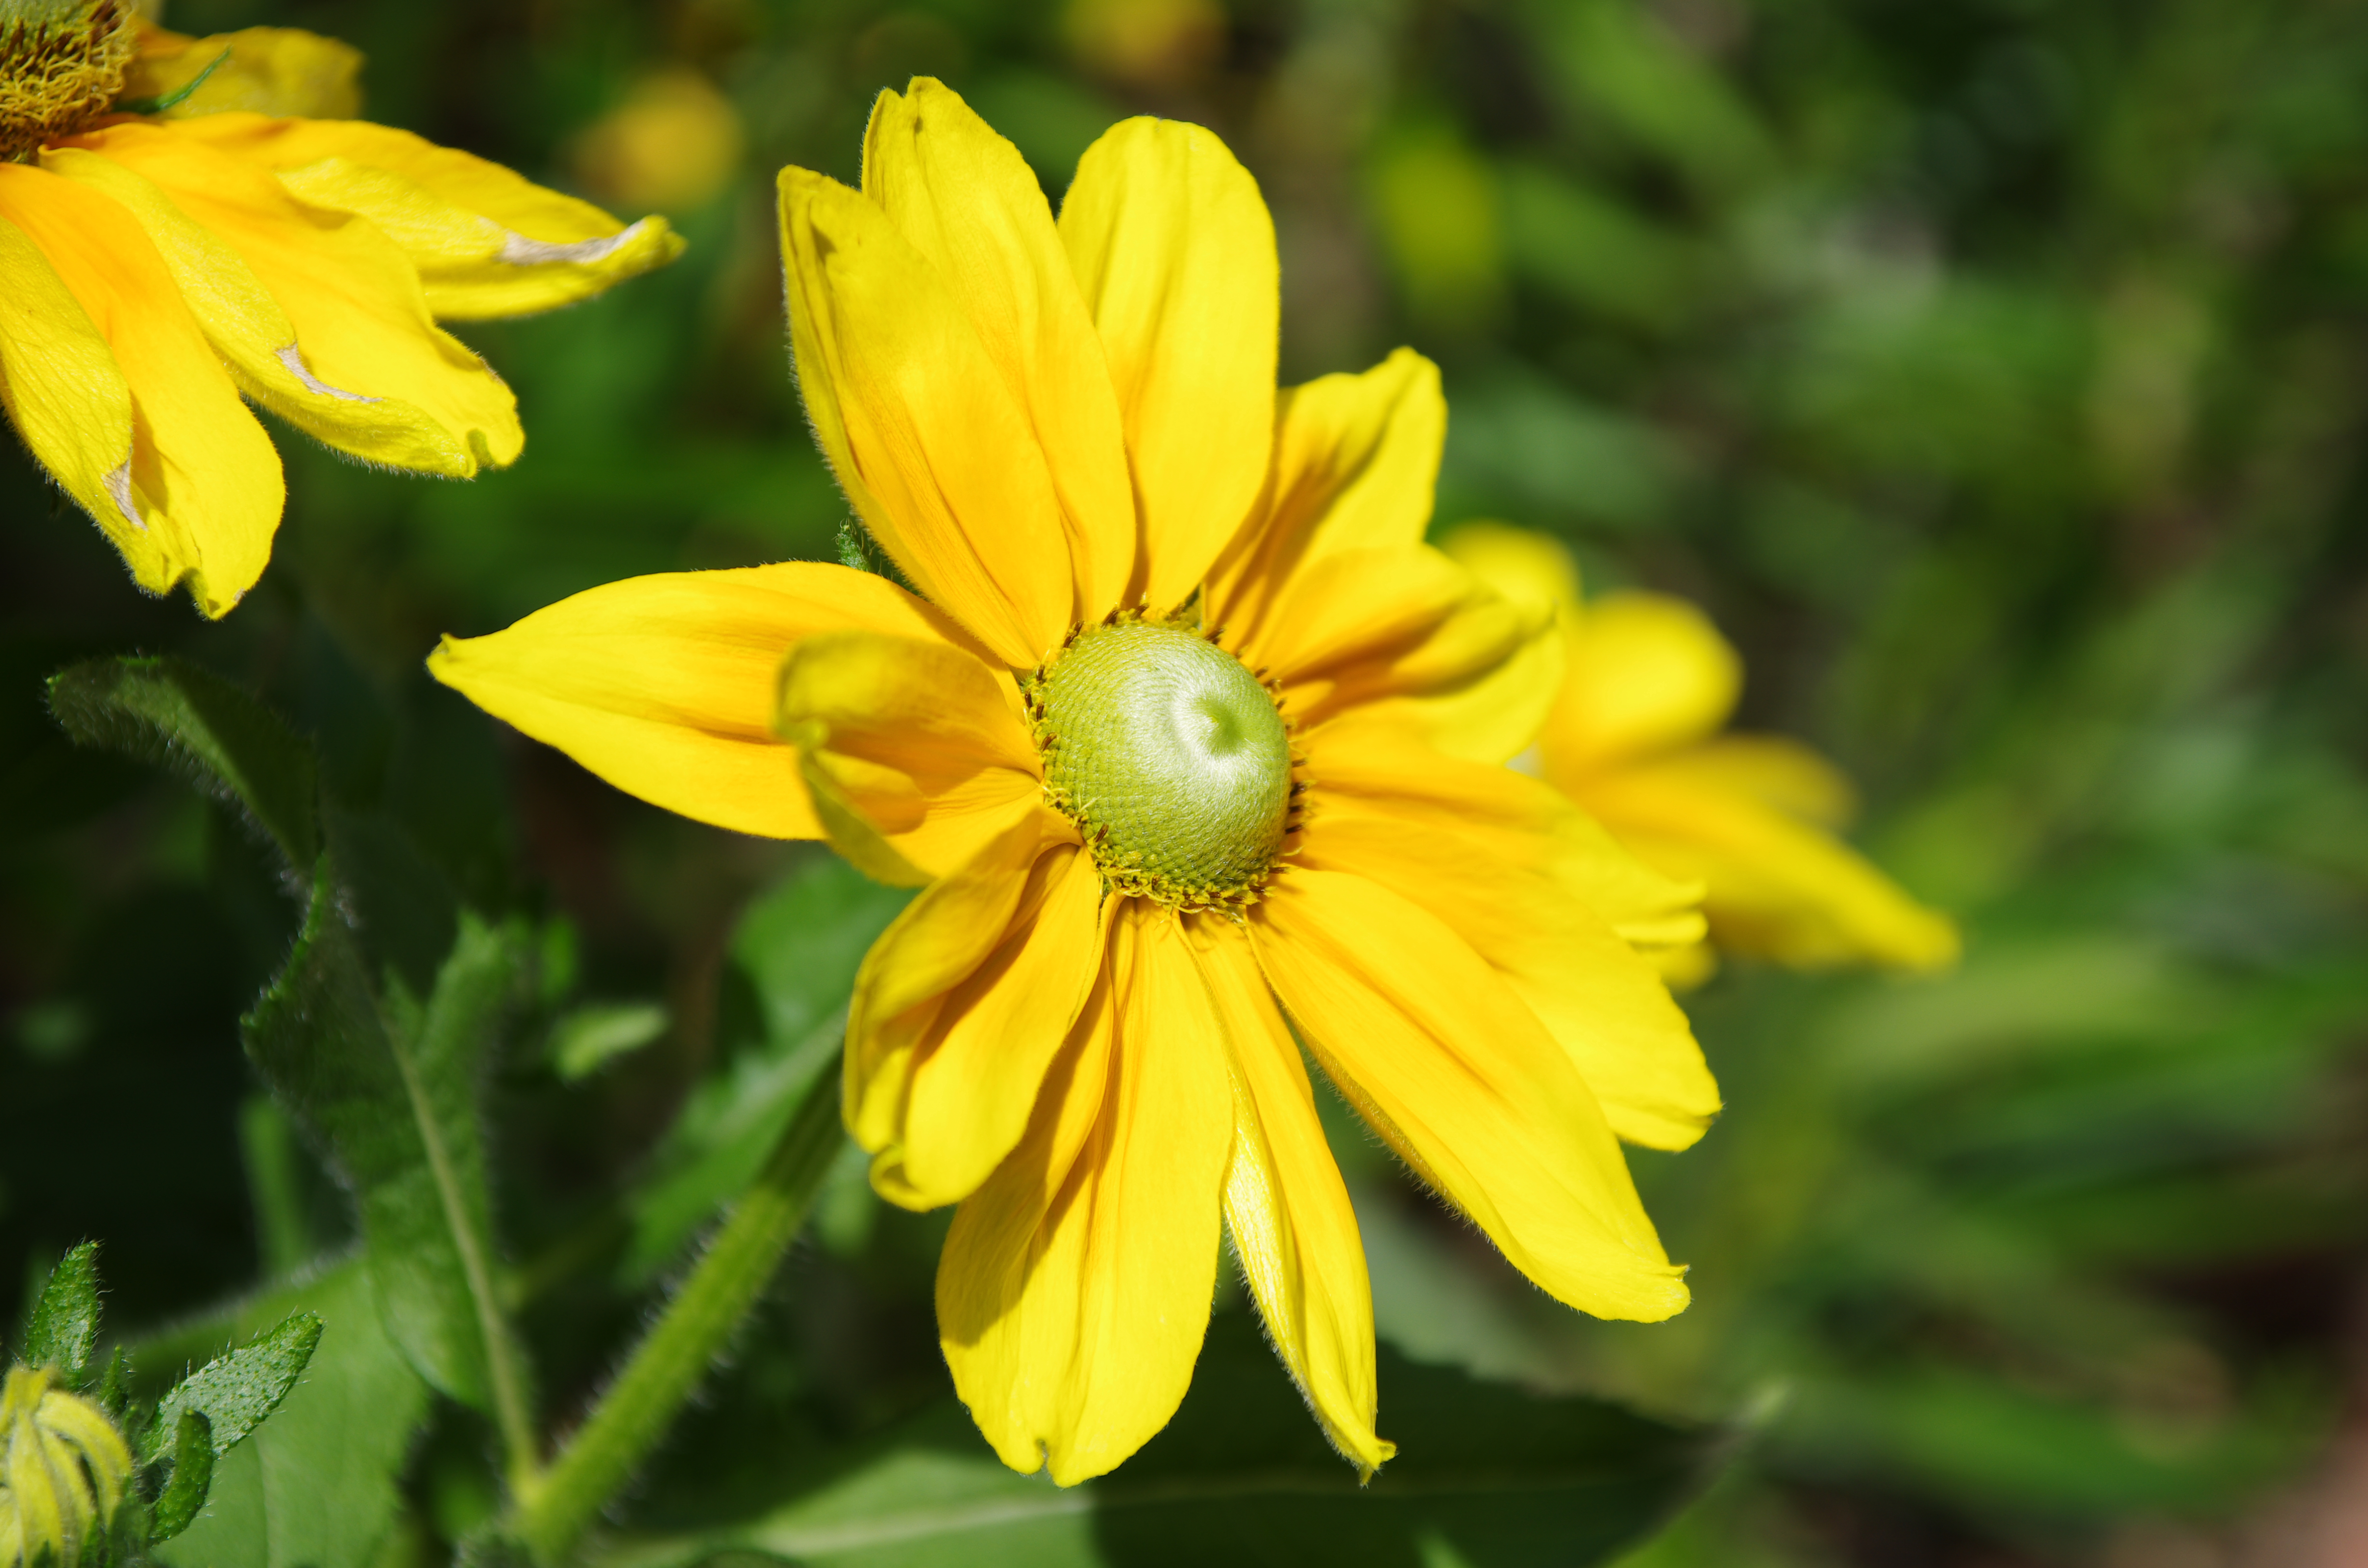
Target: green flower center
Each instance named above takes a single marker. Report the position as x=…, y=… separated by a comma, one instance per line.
x=62, y=64
x=1170, y=757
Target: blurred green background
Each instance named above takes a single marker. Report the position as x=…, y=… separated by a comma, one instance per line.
x=1996, y=373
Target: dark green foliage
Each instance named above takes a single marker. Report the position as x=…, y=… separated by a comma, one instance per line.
x=1495, y=1475
x=220, y=740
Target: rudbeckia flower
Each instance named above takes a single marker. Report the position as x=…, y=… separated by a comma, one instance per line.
x=1196, y=750
x=1637, y=739
x=157, y=267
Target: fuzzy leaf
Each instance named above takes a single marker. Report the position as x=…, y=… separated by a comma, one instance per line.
x=193, y=1474
x=221, y=739
x=234, y=1393
x=391, y=1094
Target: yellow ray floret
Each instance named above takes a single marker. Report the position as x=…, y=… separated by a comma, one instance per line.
x=1636, y=738
x=162, y=268
x=1196, y=750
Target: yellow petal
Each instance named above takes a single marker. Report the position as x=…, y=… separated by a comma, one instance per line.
x=67, y=397
x=274, y=71
x=1779, y=887
x=1174, y=253
x=1775, y=771
x=1450, y=1067
x=1646, y=672
x=486, y=241
x=926, y=438
x=204, y=479
x=1075, y=1286
x=1370, y=766
x=915, y=750
x=664, y=686
x=960, y=1005
x=1356, y=457
x=964, y=199
x=1530, y=569
x=254, y=338
x=1287, y=1210
x=352, y=297
x=1411, y=629
x=1602, y=1003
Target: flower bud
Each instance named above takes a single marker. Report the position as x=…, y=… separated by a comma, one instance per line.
x=64, y=1469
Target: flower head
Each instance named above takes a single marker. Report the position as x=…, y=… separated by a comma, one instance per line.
x=1636, y=738
x=158, y=266
x=1196, y=749
x=64, y=1468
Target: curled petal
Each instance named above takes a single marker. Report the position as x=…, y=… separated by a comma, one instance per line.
x=914, y=750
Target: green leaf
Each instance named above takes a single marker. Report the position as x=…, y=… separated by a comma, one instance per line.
x=220, y=738
x=391, y=1094
x=63, y=1327
x=236, y=1391
x=314, y=1486
x=588, y=1038
x=1486, y=1475
x=193, y=1473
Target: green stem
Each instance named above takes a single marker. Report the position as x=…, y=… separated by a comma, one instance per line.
x=667, y=1366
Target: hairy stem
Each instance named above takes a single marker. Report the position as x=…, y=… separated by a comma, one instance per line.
x=667, y=1366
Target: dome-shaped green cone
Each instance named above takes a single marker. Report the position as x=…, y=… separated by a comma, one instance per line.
x=1170, y=757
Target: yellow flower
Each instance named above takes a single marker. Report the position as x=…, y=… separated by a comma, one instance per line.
x=672, y=145
x=154, y=267
x=1636, y=738
x=1196, y=747
x=64, y=1468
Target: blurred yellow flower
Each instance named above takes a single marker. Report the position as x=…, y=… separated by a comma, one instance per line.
x=1635, y=738
x=671, y=146
x=1194, y=743
x=64, y=1469
x=156, y=267
x=1146, y=43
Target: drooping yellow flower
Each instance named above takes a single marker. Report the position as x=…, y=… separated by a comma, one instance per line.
x=1636, y=738
x=156, y=268
x=64, y=1469
x=1194, y=746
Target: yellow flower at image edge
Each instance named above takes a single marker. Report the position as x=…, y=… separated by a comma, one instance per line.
x=64, y=1469
x=1635, y=739
x=1192, y=744
x=157, y=267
